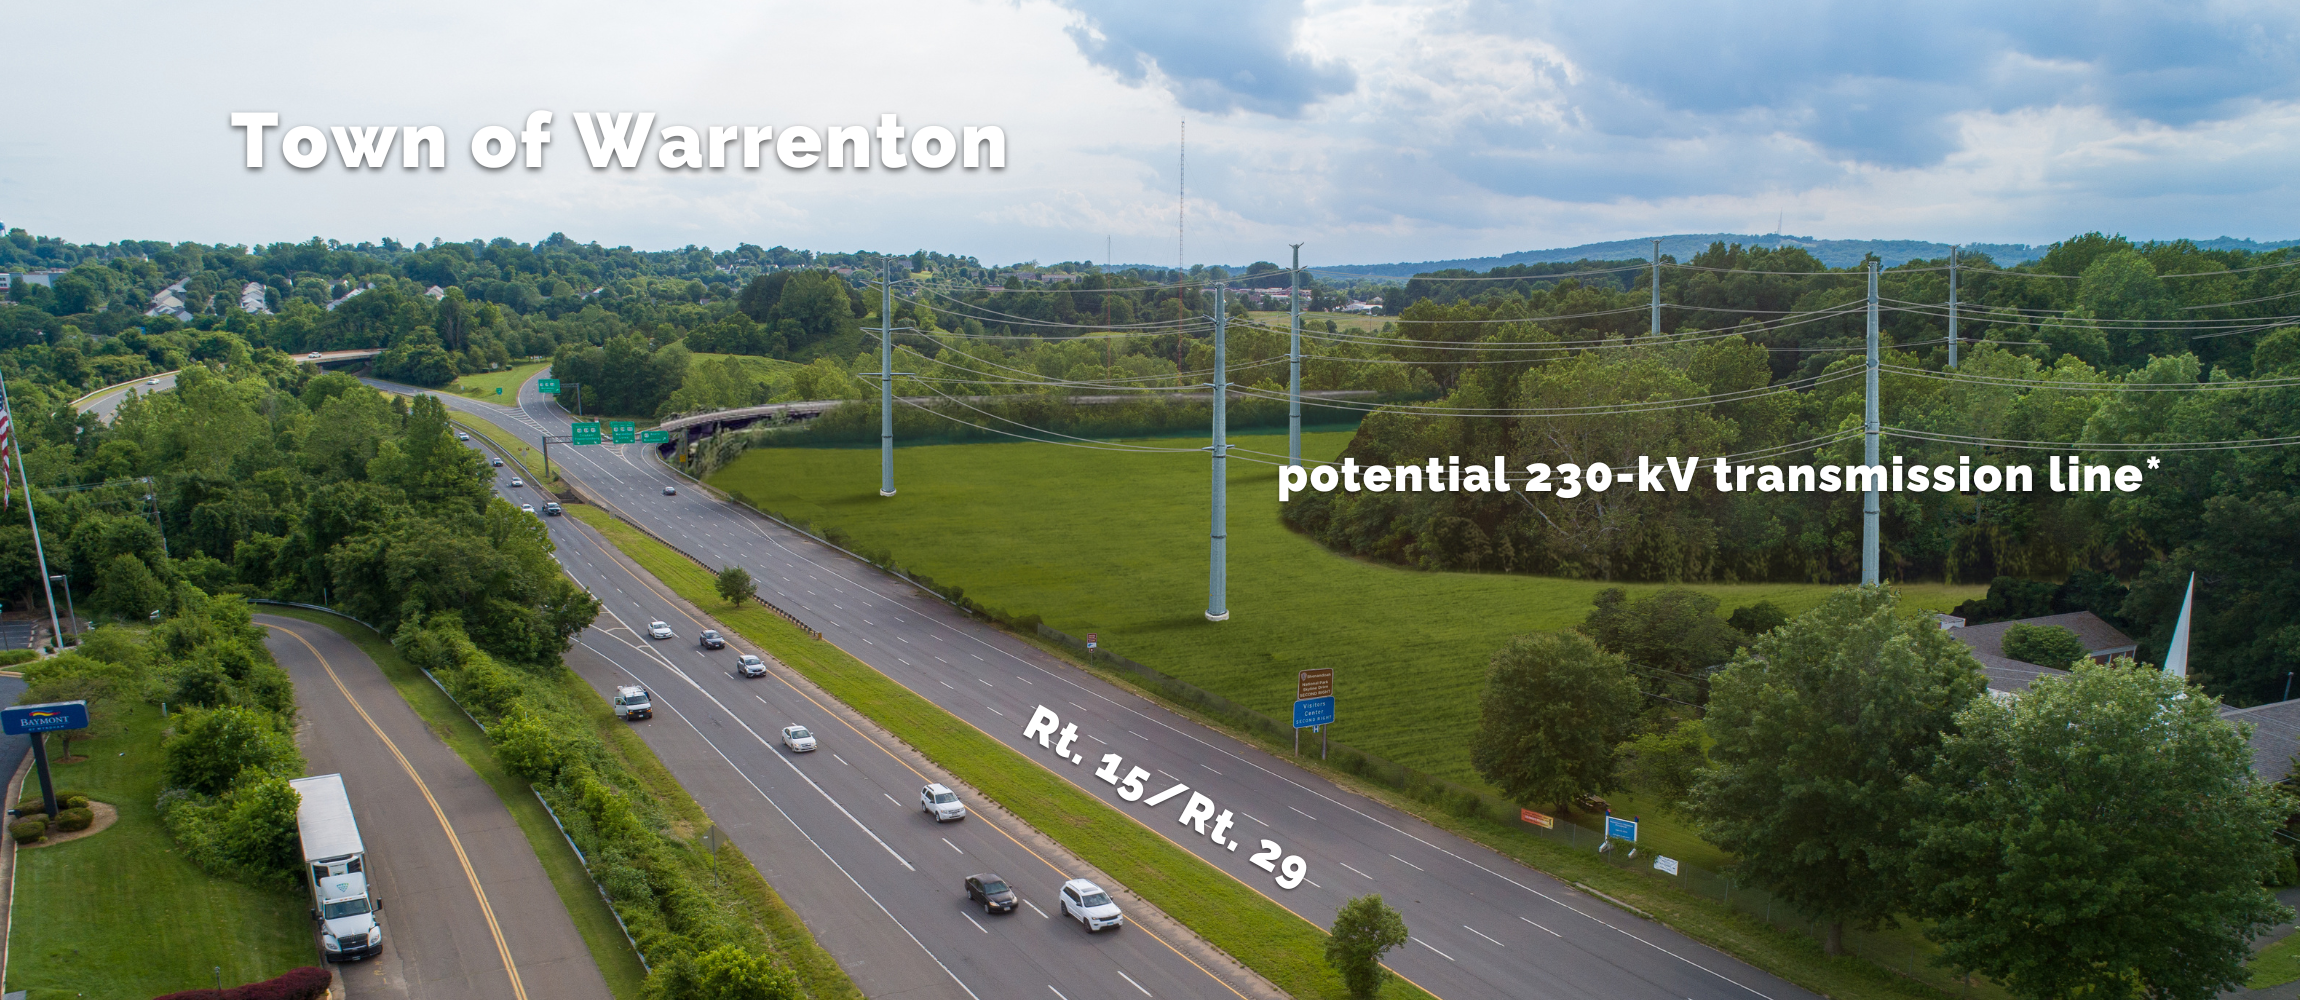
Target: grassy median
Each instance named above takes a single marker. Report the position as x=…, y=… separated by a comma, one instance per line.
x=1273, y=941
x=483, y=385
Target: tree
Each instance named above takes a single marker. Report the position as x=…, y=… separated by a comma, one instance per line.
x=2101, y=835
x=1757, y=619
x=2043, y=645
x=1554, y=706
x=97, y=687
x=1674, y=630
x=1665, y=762
x=211, y=749
x=735, y=584
x=126, y=588
x=1364, y=929
x=1818, y=728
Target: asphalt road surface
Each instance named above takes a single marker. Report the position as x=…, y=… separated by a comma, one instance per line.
x=1483, y=924
x=106, y=403
x=468, y=913
x=839, y=831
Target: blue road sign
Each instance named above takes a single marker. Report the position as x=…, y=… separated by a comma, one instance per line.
x=1314, y=712
x=52, y=717
x=1626, y=829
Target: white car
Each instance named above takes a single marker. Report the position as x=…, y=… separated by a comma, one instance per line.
x=941, y=803
x=527, y=508
x=798, y=739
x=496, y=462
x=658, y=630
x=670, y=491
x=516, y=481
x=151, y=381
x=460, y=436
x=750, y=666
x=1086, y=903
x=315, y=355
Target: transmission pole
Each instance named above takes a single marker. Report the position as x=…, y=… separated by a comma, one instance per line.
x=886, y=378
x=1217, y=584
x=1869, y=446
x=1294, y=383
x=1953, y=254
x=1657, y=288
x=14, y=442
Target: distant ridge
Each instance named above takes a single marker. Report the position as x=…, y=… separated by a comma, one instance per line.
x=1834, y=253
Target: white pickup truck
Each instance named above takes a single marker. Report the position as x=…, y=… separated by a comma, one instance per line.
x=632, y=703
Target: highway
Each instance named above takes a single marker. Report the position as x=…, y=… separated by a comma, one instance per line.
x=468, y=912
x=105, y=403
x=839, y=831
x=1483, y=924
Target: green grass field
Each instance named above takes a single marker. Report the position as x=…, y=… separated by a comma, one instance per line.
x=120, y=914
x=2276, y=964
x=483, y=385
x=1280, y=318
x=1116, y=544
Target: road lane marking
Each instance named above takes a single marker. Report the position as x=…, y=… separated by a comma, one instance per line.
x=1034, y=906
x=1474, y=930
x=977, y=926
x=890, y=798
x=1252, y=817
x=1346, y=864
x=986, y=683
x=510, y=968
x=1210, y=769
x=954, y=847
x=1426, y=944
x=996, y=712
x=1406, y=863
x=1130, y=981
x=842, y=760
x=947, y=684
x=1553, y=934
x=1303, y=815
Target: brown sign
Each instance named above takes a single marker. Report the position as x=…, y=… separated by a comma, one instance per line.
x=1317, y=683
x=1541, y=820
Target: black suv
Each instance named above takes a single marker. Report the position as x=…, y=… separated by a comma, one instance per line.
x=991, y=892
x=712, y=640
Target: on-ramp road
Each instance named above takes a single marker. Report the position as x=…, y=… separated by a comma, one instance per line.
x=1484, y=925
x=468, y=912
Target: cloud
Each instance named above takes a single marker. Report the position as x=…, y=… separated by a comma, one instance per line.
x=1213, y=57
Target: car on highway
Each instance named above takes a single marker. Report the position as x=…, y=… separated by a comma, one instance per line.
x=750, y=666
x=315, y=355
x=710, y=639
x=551, y=509
x=941, y=803
x=527, y=508
x=494, y=461
x=1086, y=903
x=658, y=630
x=516, y=481
x=670, y=491
x=798, y=738
x=461, y=436
x=151, y=381
x=992, y=892
x=632, y=703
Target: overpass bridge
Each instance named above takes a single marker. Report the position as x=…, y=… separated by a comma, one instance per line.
x=695, y=426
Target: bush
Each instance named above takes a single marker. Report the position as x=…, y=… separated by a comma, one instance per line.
x=2043, y=645
x=71, y=820
x=210, y=749
x=307, y=983
x=29, y=829
x=64, y=800
x=12, y=657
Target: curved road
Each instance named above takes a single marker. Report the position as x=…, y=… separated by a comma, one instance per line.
x=105, y=403
x=1484, y=925
x=467, y=909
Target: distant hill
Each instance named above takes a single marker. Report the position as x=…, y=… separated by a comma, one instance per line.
x=1835, y=253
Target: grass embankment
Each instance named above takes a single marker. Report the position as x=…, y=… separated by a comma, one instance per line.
x=484, y=384
x=1282, y=947
x=2276, y=964
x=592, y=918
x=122, y=913
x=1100, y=541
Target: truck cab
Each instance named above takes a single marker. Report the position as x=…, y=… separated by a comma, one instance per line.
x=632, y=703
x=335, y=865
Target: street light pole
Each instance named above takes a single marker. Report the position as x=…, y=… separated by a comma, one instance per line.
x=15, y=444
x=886, y=378
x=1218, y=568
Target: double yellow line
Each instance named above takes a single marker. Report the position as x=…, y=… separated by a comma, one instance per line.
x=510, y=968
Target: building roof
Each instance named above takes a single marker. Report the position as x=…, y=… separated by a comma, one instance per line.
x=2275, y=736
x=2099, y=637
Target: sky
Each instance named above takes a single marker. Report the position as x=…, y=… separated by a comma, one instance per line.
x=1369, y=131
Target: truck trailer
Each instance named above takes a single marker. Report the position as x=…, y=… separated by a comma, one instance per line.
x=335, y=864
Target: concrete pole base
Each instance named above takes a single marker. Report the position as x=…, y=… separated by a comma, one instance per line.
x=886, y=493
x=1212, y=617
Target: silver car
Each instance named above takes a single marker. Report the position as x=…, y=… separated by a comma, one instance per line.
x=798, y=739
x=751, y=666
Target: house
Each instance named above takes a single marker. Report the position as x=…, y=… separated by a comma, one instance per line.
x=435, y=292
x=2101, y=641
x=252, y=299
x=2275, y=736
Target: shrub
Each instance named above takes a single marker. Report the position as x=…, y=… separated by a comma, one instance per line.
x=29, y=829
x=75, y=819
x=64, y=800
x=210, y=749
x=2043, y=645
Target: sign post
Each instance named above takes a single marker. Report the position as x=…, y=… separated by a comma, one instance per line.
x=1625, y=829
x=1091, y=640
x=1313, y=706
x=37, y=721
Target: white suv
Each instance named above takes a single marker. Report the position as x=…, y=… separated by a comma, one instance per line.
x=751, y=666
x=1086, y=903
x=941, y=803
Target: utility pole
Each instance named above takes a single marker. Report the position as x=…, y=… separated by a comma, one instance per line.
x=15, y=443
x=1954, y=252
x=886, y=378
x=1869, y=446
x=1657, y=288
x=1217, y=581
x=1294, y=381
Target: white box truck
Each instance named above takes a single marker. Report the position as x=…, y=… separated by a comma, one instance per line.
x=335, y=862
x=632, y=703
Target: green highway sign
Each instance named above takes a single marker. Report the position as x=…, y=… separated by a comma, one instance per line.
x=499, y=390
x=587, y=433
x=623, y=431
x=550, y=385
x=654, y=437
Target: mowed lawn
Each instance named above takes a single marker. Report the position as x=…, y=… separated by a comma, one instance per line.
x=121, y=913
x=484, y=384
x=1115, y=543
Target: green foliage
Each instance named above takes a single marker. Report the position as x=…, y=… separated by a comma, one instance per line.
x=1758, y=619
x=1817, y=730
x=128, y=590
x=1554, y=706
x=1673, y=634
x=1665, y=762
x=723, y=973
x=735, y=584
x=75, y=819
x=2101, y=835
x=28, y=829
x=1364, y=929
x=2043, y=645
x=211, y=750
